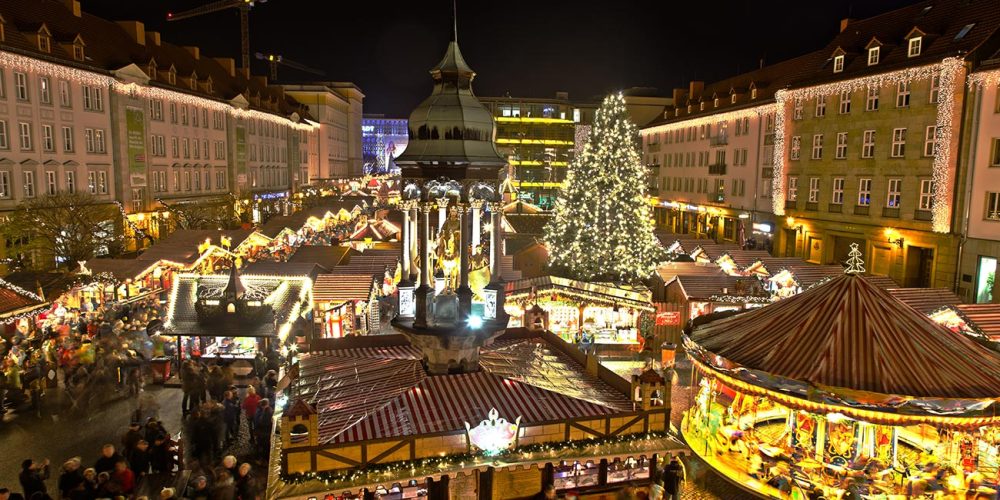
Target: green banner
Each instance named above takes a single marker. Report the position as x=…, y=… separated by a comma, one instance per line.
x=241, y=155
x=294, y=162
x=135, y=134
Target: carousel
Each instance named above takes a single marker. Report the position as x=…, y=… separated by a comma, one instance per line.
x=845, y=390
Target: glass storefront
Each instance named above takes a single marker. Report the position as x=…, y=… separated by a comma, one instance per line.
x=985, y=276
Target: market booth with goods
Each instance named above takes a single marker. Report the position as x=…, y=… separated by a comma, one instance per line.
x=844, y=388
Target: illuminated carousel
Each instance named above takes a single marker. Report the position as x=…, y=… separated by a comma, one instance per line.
x=844, y=389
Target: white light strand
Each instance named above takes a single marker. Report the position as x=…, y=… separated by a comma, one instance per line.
x=26, y=64
x=984, y=79
x=942, y=173
x=20, y=291
x=711, y=119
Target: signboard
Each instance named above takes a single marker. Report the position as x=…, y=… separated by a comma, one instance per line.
x=668, y=318
x=135, y=138
x=493, y=435
x=241, y=154
x=407, y=306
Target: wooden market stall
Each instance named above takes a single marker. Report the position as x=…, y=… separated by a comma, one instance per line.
x=346, y=304
x=701, y=294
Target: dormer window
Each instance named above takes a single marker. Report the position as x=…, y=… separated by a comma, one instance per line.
x=151, y=69
x=44, y=40
x=715, y=102
x=172, y=76
x=732, y=99
x=194, y=80
x=689, y=108
x=78, y=53
x=753, y=93
x=208, y=85
x=701, y=106
x=873, y=54
x=914, y=46
x=838, y=64
x=3, y=32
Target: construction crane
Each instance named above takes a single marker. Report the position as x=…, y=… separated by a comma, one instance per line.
x=244, y=8
x=273, y=60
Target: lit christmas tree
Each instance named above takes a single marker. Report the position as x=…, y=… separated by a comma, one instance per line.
x=603, y=228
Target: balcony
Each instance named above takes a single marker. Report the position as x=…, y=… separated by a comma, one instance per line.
x=812, y=206
x=717, y=169
x=717, y=198
x=861, y=209
x=890, y=212
x=791, y=205
x=718, y=140
x=923, y=215
x=835, y=208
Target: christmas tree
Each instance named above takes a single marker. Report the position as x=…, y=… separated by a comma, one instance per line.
x=602, y=229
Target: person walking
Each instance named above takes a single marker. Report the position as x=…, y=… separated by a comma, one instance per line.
x=33, y=476
x=673, y=476
x=250, y=403
x=231, y=415
x=262, y=427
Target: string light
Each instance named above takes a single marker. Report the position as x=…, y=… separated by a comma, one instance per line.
x=735, y=115
x=984, y=79
x=942, y=174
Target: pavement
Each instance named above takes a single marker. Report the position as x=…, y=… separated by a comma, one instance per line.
x=58, y=436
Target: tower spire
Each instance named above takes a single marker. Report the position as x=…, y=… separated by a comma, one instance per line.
x=454, y=19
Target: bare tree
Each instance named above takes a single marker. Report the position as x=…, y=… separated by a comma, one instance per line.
x=208, y=214
x=65, y=228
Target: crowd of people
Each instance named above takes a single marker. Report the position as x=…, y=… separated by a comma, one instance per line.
x=92, y=352
x=331, y=234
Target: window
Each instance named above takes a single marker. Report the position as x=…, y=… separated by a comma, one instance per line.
x=892, y=195
x=92, y=182
x=177, y=180
x=172, y=76
x=5, y=184
x=156, y=110
x=841, y=152
x=838, y=64
x=898, y=142
x=48, y=139
x=99, y=141
x=67, y=135
x=220, y=179
x=158, y=145
x=187, y=180
x=930, y=138
x=194, y=117
x=204, y=146
x=793, y=152
x=926, y=194
x=845, y=102
x=45, y=90
x=3, y=135
x=817, y=151
x=813, y=189
x=753, y=93
x=173, y=147
x=88, y=138
x=838, y=191
x=25, y=136
x=151, y=69
x=821, y=106
x=93, y=98
x=208, y=181
x=964, y=31
x=793, y=188
x=913, y=48
x=995, y=153
x=184, y=114
x=715, y=102
x=935, y=88
x=29, y=184
x=902, y=94
x=102, y=182
x=797, y=111
x=21, y=86
x=173, y=112
x=873, y=56
x=992, y=206
x=65, y=99
x=732, y=99
x=864, y=192
x=44, y=42
x=204, y=117
x=186, y=147
x=868, y=145
x=871, y=103
x=195, y=153
x=137, y=196
x=70, y=181
x=51, y=184
x=197, y=181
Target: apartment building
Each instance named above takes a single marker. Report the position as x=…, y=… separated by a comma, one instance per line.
x=710, y=157
x=88, y=104
x=336, y=152
x=869, y=141
x=979, y=216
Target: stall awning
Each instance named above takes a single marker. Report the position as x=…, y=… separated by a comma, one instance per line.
x=925, y=300
x=635, y=298
x=344, y=287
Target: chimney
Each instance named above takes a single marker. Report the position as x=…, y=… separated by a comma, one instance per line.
x=678, y=96
x=154, y=36
x=696, y=88
x=135, y=29
x=73, y=6
x=195, y=51
x=229, y=64
x=844, y=22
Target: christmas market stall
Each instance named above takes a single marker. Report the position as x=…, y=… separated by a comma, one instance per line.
x=599, y=313
x=18, y=307
x=232, y=316
x=700, y=294
x=735, y=262
x=710, y=251
x=347, y=304
x=368, y=417
x=794, y=279
x=203, y=251
x=127, y=278
x=844, y=389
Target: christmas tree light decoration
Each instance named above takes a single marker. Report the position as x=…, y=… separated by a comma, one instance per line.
x=855, y=264
x=948, y=72
x=602, y=228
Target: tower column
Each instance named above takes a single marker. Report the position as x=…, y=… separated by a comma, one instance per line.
x=464, y=292
x=495, y=243
x=414, y=223
x=425, y=291
x=407, y=239
x=442, y=204
x=477, y=208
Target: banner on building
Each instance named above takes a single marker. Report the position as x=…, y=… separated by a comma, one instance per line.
x=241, y=155
x=135, y=138
x=668, y=318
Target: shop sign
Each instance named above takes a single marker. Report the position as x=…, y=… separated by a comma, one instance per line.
x=493, y=435
x=762, y=227
x=668, y=318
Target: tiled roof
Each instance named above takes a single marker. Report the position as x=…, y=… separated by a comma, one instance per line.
x=882, y=282
x=53, y=284
x=668, y=270
x=743, y=258
x=109, y=47
x=343, y=287
x=286, y=269
x=703, y=286
x=372, y=261
x=181, y=246
x=121, y=269
x=326, y=256
x=533, y=224
x=275, y=225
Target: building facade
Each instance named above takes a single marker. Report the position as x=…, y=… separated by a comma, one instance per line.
x=335, y=151
x=539, y=137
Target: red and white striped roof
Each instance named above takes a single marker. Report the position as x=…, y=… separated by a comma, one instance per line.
x=373, y=393
x=926, y=300
x=337, y=288
x=984, y=317
x=848, y=333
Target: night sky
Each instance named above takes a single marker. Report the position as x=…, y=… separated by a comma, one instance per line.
x=529, y=48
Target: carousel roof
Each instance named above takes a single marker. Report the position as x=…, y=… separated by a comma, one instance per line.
x=850, y=334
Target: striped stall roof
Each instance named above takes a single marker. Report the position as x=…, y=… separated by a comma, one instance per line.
x=883, y=282
x=808, y=275
x=712, y=251
x=848, y=333
x=668, y=270
x=773, y=265
x=984, y=317
x=685, y=245
x=743, y=258
x=926, y=300
x=390, y=352
x=342, y=287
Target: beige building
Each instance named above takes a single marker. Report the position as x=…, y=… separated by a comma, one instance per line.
x=869, y=137
x=335, y=150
